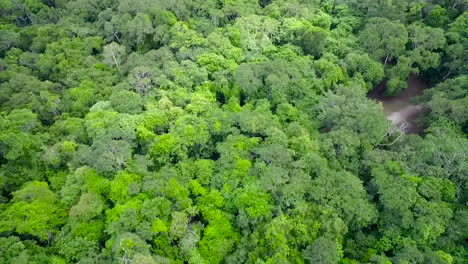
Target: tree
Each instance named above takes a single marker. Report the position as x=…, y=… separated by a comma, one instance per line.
x=114, y=55
x=411, y=211
x=184, y=38
x=138, y=29
x=17, y=251
x=19, y=137
x=82, y=180
x=447, y=100
x=34, y=210
x=344, y=194
x=21, y=142
x=328, y=72
x=426, y=41
x=126, y=102
x=253, y=206
x=124, y=186
x=279, y=81
x=26, y=91
x=454, y=60
x=313, y=40
x=442, y=156
x=339, y=110
x=274, y=238
x=254, y=34
x=323, y=251
x=106, y=156
x=362, y=66
x=66, y=55
x=380, y=8
x=384, y=39
x=398, y=75
x=128, y=247
x=8, y=39
x=437, y=17
x=89, y=206
x=80, y=99
x=219, y=237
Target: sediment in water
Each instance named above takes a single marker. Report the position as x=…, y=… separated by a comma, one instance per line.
x=398, y=108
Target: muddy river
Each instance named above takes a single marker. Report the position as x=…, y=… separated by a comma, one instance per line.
x=399, y=109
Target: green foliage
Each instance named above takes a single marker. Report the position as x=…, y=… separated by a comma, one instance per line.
x=313, y=40
x=363, y=67
x=219, y=237
x=426, y=42
x=34, y=210
x=448, y=99
x=323, y=250
x=437, y=17
x=18, y=136
x=384, y=39
x=234, y=131
x=17, y=251
x=126, y=102
x=344, y=194
x=65, y=55
x=398, y=75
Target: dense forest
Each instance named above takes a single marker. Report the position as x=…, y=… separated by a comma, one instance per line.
x=232, y=131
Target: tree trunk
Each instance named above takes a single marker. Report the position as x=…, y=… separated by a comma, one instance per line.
x=116, y=62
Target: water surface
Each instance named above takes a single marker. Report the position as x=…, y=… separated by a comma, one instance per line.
x=398, y=108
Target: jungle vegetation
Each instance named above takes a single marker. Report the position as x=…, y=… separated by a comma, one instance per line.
x=231, y=131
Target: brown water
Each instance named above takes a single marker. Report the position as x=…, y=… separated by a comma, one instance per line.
x=399, y=109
